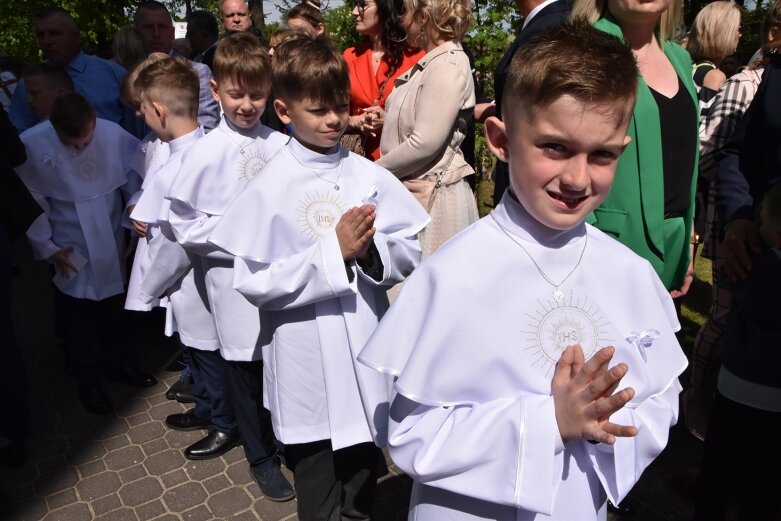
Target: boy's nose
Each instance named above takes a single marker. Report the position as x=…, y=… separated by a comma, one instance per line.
x=575, y=177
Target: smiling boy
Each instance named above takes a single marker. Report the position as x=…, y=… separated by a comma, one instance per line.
x=319, y=236
x=512, y=411
x=212, y=174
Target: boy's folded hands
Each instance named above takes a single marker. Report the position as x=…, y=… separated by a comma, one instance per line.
x=355, y=231
x=584, y=399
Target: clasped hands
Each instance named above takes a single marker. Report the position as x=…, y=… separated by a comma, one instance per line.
x=584, y=396
x=355, y=231
x=370, y=122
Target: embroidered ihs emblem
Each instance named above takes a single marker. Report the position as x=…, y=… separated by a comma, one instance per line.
x=555, y=325
x=87, y=169
x=251, y=164
x=319, y=214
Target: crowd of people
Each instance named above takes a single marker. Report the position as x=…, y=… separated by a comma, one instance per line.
x=275, y=198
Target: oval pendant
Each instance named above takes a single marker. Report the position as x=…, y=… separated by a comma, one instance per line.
x=336, y=187
x=558, y=295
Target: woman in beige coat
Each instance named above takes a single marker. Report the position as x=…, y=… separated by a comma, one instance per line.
x=427, y=115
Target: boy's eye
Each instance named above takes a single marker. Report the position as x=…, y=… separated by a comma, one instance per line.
x=605, y=155
x=554, y=148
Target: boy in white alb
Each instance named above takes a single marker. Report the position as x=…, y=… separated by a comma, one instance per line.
x=212, y=175
x=319, y=236
x=168, y=91
x=78, y=169
x=510, y=411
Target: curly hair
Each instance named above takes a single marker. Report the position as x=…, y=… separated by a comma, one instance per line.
x=451, y=18
x=392, y=36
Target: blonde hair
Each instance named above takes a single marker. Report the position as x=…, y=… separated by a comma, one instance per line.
x=712, y=35
x=127, y=91
x=171, y=82
x=451, y=18
x=668, y=26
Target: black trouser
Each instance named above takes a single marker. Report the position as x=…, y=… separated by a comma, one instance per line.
x=740, y=464
x=210, y=388
x=94, y=335
x=15, y=420
x=334, y=485
x=245, y=387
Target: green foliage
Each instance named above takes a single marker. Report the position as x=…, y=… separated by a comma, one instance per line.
x=496, y=24
x=340, y=26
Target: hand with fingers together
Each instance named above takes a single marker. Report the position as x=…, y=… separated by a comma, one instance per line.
x=355, y=231
x=62, y=263
x=584, y=396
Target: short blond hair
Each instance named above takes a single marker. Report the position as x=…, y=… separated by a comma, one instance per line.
x=127, y=91
x=668, y=27
x=240, y=57
x=451, y=18
x=712, y=34
x=171, y=82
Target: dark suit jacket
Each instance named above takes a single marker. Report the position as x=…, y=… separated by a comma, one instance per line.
x=553, y=14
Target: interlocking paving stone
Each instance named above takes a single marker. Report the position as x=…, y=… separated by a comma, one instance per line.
x=99, y=485
x=85, y=452
x=125, y=457
x=132, y=474
x=167, y=517
x=91, y=468
x=162, y=411
x=106, y=504
x=154, y=446
x=32, y=510
x=229, y=502
x=18, y=476
x=75, y=512
x=200, y=470
x=184, y=497
x=247, y=515
x=239, y=473
x=146, y=432
x=199, y=513
x=139, y=419
x=182, y=440
x=51, y=464
x=109, y=428
x=177, y=477
x=49, y=448
x=133, y=407
x=216, y=483
x=56, y=481
x=150, y=510
x=61, y=499
x=121, y=514
x=165, y=461
x=141, y=491
x=76, y=424
x=117, y=442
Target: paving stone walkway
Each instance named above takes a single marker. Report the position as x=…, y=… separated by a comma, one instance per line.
x=130, y=467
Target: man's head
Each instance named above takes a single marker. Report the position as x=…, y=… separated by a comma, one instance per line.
x=57, y=35
x=154, y=27
x=242, y=78
x=73, y=118
x=235, y=15
x=167, y=90
x=770, y=216
x=44, y=82
x=202, y=30
x=563, y=128
x=311, y=84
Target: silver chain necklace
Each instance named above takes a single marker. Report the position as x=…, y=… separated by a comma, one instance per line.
x=241, y=147
x=558, y=295
x=338, y=175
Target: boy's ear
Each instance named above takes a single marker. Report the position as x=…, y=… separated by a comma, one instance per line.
x=496, y=138
x=160, y=112
x=215, y=90
x=282, y=112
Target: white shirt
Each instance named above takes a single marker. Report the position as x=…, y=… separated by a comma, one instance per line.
x=473, y=421
x=314, y=316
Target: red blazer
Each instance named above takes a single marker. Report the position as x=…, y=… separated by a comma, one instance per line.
x=365, y=85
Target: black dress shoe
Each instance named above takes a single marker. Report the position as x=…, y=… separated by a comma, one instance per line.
x=273, y=484
x=214, y=445
x=184, y=396
x=180, y=389
x=187, y=421
x=132, y=376
x=94, y=400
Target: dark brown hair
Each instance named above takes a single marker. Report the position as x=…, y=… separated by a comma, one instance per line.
x=72, y=115
x=54, y=75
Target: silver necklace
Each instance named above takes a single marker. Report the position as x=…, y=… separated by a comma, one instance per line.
x=558, y=295
x=338, y=174
x=241, y=147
